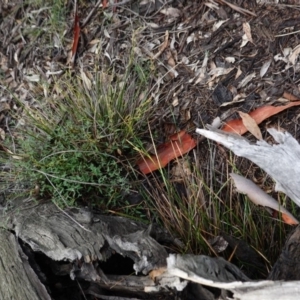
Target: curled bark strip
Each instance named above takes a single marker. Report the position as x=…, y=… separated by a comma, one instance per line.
x=179, y=144
x=259, y=115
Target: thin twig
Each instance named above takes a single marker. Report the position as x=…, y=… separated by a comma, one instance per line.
x=87, y=19
x=81, y=226
x=69, y=180
x=285, y=34
x=90, y=14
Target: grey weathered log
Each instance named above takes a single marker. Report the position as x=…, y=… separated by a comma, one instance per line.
x=17, y=279
x=82, y=238
x=73, y=235
x=269, y=290
x=212, y=269
x=203, y=270
x=140, y=284
x=45, y=228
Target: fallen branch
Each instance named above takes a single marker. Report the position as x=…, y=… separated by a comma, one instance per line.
x=281, y=161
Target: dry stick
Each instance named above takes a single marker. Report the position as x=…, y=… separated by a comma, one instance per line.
x=285, y=34
x=90, y=14
x=57, y=206
x=237, y=8
x=46, y=175
x=87, y=19
x=12, y=138
x=81, y=290
x=70, y=180
x=119, y=3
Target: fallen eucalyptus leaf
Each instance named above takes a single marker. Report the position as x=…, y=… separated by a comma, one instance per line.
x=265, y=67
x=293, y=56
x=250, y=124
x=259, y=197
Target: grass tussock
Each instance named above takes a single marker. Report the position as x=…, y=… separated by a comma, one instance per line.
x=75, y=144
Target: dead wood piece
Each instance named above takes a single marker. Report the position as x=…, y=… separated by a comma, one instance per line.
x=269, y=290
x=218, y=273
x=130, y=239
x=53, y=233
x=198, y=291
x=140, y=249
x=18, y=280
x=85, y=239
x=47, y=229
x=200, y=266
x=93, y=238
x=281, y=161
x=136, y=284
x=246, y=254
x=287, y=267
x=221, y=274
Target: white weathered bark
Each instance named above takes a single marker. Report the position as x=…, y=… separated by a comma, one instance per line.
x=281, y=161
